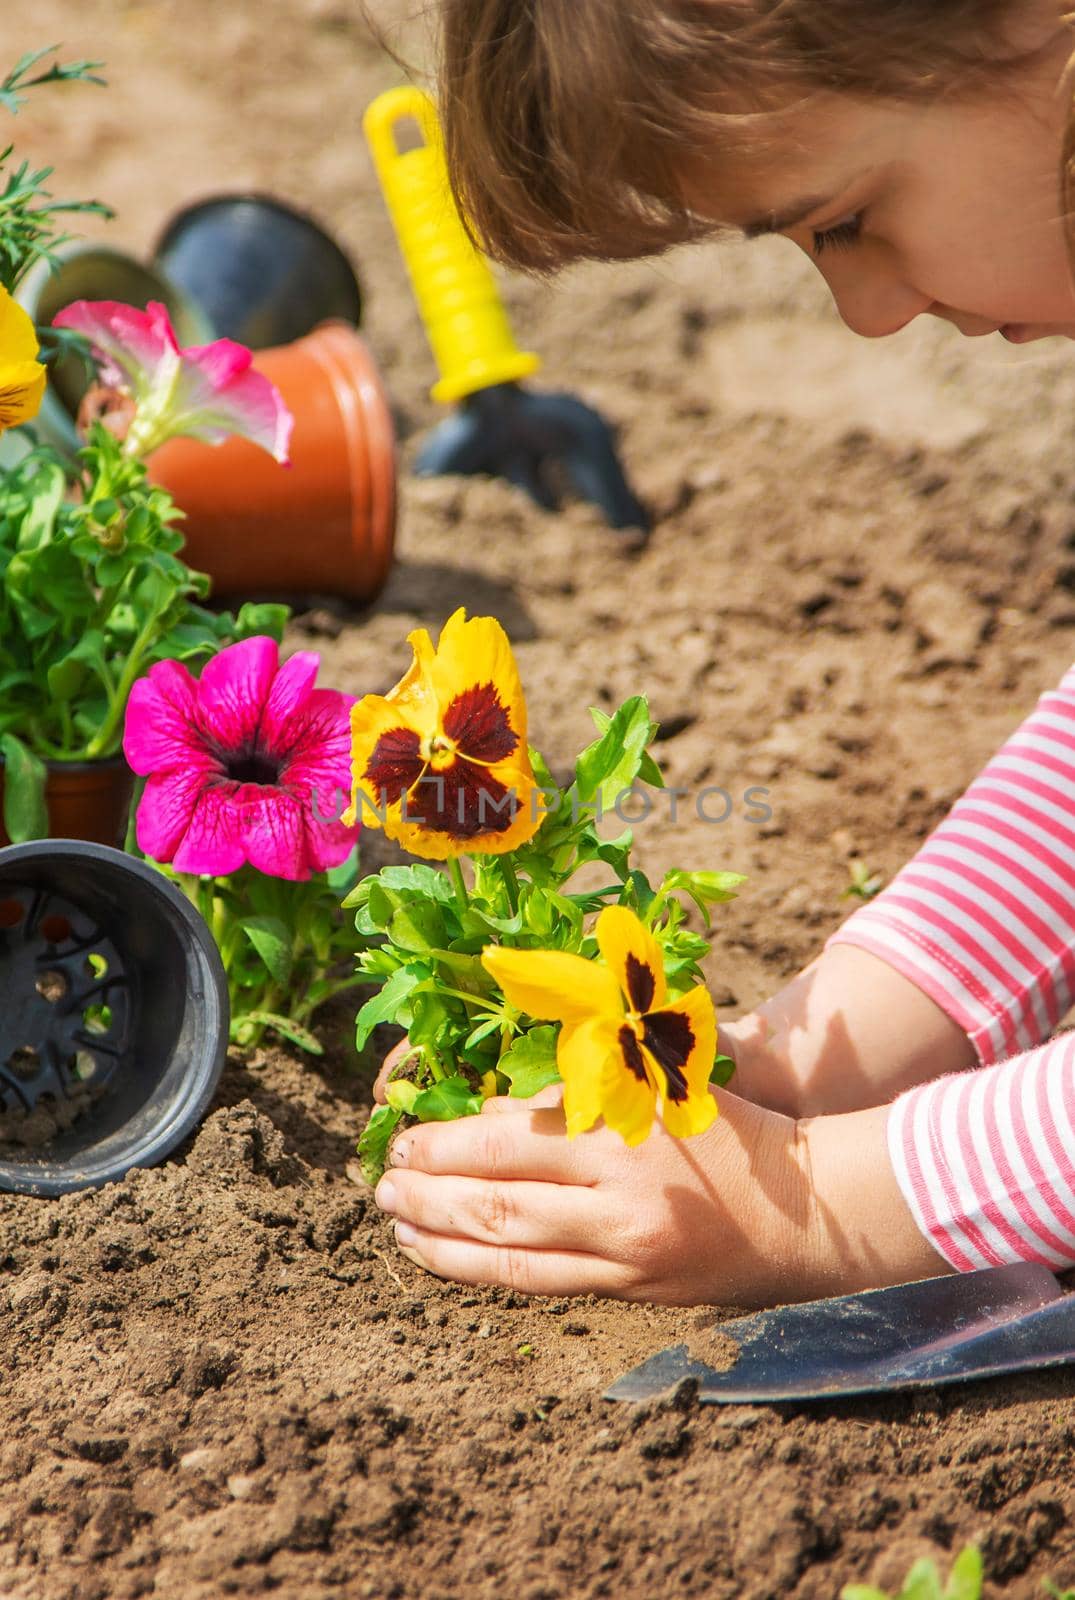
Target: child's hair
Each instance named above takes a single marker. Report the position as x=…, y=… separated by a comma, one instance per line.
x=566, y=121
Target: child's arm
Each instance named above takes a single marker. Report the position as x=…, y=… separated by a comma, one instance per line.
x=975, y=1170
x=970, y=952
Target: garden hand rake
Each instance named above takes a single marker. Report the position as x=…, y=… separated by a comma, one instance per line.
x=500, y=429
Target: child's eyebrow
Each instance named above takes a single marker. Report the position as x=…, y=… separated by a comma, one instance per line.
x=780, y=221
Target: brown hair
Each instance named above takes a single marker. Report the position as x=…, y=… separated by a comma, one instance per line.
x=566, y=121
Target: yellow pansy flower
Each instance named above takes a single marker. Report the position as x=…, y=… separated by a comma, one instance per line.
x=22, y=377
x=623, y=1045
x=441, y=761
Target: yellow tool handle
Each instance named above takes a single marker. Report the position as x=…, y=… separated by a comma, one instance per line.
x=457, y=296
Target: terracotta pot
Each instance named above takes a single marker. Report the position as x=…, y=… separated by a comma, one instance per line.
x=324, y=525
x=86, y=800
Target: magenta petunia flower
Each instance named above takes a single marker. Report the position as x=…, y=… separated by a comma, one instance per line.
x=249, y=763
x=206, y=392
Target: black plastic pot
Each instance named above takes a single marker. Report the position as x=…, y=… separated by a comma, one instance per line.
x=113, y=1016
x=262, y=272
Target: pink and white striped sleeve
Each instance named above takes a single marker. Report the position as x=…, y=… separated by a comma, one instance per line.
x=983, y=918
x=983, y=921
x=986, y=1160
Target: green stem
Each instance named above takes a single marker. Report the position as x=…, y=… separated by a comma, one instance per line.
x=132, y=671
x=478, y=1000
x=455, y=872
x=512, y=883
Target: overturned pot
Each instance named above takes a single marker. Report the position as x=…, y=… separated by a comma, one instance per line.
x=114, y=1021
x=262, y=271
x=85, y=800
x=324, y=525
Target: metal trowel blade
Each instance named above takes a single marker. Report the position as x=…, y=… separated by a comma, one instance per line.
x=942, y=1330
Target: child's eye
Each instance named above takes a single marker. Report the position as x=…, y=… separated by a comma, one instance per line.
x=840, y=237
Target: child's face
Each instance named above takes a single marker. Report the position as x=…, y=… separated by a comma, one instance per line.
x=952, y=209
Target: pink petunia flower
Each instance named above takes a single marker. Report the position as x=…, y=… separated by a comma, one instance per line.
x=249, y=763
x=206, y=392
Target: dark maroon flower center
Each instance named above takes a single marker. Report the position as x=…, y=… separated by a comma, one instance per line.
x=252, y=766
x=461, y=798
x=669, y=1038
x=477, y=723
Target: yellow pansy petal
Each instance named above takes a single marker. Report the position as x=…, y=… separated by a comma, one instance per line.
x=478, y=652
x=633, y=954
x=554, y=985
x=385, y=758
x=22, y=389
x=693, y=1116
x=598, y=1083
x=18, y=336
x=680, y=1043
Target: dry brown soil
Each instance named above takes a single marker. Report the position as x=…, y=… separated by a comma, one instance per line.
x=218, y=1378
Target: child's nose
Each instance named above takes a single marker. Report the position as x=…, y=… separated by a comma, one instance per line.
x=874, y=304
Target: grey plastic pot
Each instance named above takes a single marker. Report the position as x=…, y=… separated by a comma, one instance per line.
x=113, y=1016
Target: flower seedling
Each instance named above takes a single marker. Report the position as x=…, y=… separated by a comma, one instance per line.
x=242, y=769
x=522, y=977
x=923, y=1582
x=864, y=884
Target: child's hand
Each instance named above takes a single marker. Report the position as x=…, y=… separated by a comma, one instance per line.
x=507, y=1198
x=755, y=1210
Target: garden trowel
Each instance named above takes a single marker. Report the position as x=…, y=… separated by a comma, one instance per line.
x=500, y=428
x=942, y=1330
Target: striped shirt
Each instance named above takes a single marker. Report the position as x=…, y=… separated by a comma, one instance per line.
x=983, y=921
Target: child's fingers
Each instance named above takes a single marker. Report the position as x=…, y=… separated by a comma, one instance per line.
x=542, y=1101
x=501, y=1146
x=388, y=1066
x=531, y=1215
x=551, y=1272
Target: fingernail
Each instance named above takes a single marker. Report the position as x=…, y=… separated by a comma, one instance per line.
x=385, y=1195
x=405, y=1234
x=397, y=1156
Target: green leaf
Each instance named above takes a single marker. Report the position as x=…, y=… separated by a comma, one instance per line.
x=373, y=1142
x=272, y=941
x=482, y=1031
x=285, y=1026
x=341, y=879
x=722, y=1071
x=261, y=617
x=67, y=676
x=25, y=812
x=607, y=768
x=967, y=1575
x=446, y=1100
x=429, y=882
x=401, y=1094
x=418, y=927
x=386, y=1006
x=529, y=1063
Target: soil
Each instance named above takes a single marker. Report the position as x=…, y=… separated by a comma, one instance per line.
x=219, y=1378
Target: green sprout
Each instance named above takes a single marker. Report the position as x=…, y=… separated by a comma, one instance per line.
x=864, y=884
x=923, y=1582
